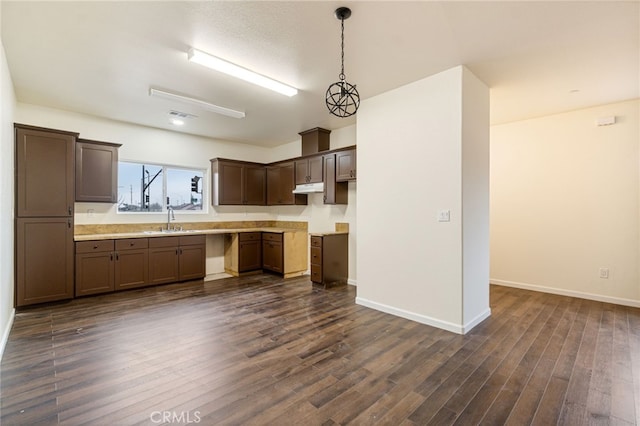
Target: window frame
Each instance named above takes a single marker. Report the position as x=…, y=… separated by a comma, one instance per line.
x=165, y=167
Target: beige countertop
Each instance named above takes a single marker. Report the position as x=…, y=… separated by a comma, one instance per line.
x=322, y=234
x=153, y=234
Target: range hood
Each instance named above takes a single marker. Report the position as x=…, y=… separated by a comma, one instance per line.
x=309, y=188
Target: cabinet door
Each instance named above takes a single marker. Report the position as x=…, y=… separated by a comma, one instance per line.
x=131, y=268
x=280, y=186
x=272, y=254
x=192, y=262
x=301, y=171
x=308, y=170
x=315, y=169
x=94, y=273
x=274, y=197
x=94, y=267
x=44, y=173
x=345, y=165
x=44, y=260
x=229, y=184
x=255, y=185
x=164, y=265
x=96, y=172
x=250, y=255
x=334, y=192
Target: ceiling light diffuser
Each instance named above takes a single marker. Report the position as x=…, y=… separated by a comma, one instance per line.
x=209, y=61
x=197, y=102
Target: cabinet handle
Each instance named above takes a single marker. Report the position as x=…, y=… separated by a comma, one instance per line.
x=324, y=198
x=69, y=210
x=177, y=252
x=117, y=256
x=69, y=223
x=95, y=246
x=111, y=257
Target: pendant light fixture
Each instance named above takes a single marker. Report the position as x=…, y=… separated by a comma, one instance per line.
x=342, y=98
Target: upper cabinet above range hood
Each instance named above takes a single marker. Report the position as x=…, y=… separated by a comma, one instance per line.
x=309, y=188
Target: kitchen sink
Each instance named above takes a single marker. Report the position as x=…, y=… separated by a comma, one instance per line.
x=172, y=231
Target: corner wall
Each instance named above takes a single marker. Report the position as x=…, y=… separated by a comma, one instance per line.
x=7, y=107
x=565, y=203
x=413, y=162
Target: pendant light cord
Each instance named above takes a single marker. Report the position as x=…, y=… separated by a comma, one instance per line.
x=342, y=76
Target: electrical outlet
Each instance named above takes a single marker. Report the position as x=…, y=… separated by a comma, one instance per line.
x=604, y=273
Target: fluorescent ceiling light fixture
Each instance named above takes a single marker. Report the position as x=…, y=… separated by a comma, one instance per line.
x=202, y=58
x=197, y=102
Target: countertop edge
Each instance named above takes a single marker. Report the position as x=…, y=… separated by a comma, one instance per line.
x=155, y=234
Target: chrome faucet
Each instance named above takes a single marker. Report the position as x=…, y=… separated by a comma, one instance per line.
x=170, y=216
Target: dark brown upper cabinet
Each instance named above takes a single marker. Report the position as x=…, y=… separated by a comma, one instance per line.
x=280, y=185
x=44, y=172
x=309, y=170
x=237, y=183
x=346, y=165
x=334, y=192
x=96, y=171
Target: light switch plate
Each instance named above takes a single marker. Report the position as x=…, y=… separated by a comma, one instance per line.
x=444, y=215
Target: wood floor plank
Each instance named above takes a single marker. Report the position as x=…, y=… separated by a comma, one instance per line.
x=262, y=350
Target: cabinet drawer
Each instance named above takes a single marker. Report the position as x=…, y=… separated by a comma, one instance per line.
x=132, y=244
x=250, y=236
x=192, y=240
x=316, y=241
x=94, y=246
x=316, y=255
x=270, y=236
x=164, y=242
x=316, y=274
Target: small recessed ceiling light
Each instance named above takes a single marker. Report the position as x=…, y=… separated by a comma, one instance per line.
x=176, y=122
x=209, y=61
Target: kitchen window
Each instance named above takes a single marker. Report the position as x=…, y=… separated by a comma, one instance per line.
x=151, y=188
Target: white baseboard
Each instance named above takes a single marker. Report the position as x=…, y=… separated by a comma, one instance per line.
x=6, y=331
x=477, y=320
x=352, y=282
x=424, y=319
x=570, y=293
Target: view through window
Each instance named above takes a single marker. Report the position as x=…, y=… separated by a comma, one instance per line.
x=151, y=188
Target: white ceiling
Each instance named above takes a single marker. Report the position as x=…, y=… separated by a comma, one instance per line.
x=101, y=58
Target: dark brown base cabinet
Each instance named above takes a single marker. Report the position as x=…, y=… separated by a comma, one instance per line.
x=110, y=265
x=107, y=265
x=272, y=252
x=173, y=259
x=131, y=263
x=249, y=251
x=44, y=260
x=330, y=259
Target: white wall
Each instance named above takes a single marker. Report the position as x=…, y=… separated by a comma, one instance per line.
x=161, y=146
x=565, y=203
x=410, y=166
x=475, y=198
x=7, y=107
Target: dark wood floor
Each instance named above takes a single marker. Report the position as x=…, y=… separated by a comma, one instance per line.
x=260, y=350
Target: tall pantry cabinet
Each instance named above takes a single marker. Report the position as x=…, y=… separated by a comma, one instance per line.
x=45, y=194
